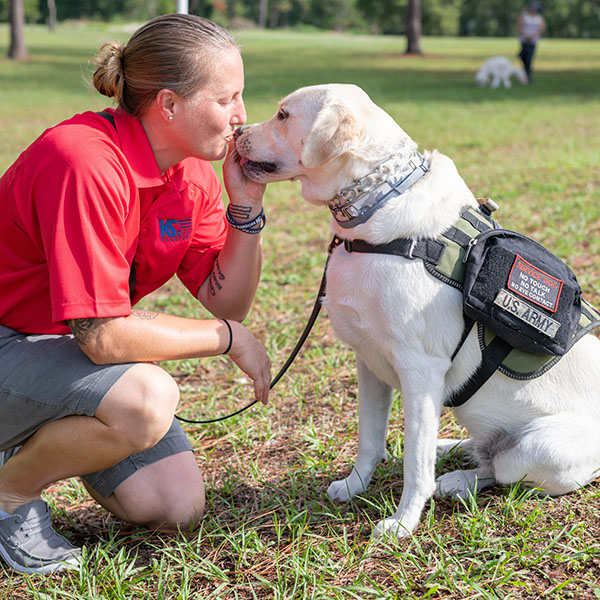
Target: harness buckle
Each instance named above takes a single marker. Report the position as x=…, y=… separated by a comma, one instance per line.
x=335, y=242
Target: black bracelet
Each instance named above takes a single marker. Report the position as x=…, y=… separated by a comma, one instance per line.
x=249, y=226
x=230, y=335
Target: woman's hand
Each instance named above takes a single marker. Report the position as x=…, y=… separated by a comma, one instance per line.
x=251, y=357
x=146, y=336
x=240, y=189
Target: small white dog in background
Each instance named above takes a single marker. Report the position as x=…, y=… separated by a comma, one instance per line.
x=497, y=70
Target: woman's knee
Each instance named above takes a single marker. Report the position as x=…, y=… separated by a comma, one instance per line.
x=140, y=405
x=167, y=495
x=182, y=514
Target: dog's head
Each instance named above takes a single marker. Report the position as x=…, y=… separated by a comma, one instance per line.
x=481, y=77
x=521, y=75
x=315, y=135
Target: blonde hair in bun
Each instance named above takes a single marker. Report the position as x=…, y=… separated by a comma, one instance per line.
x=108, y=77
x=176, y=52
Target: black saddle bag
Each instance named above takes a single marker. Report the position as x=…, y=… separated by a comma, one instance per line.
x=522, y=292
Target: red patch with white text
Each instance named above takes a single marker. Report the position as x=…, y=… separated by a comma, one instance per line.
x=532, y=283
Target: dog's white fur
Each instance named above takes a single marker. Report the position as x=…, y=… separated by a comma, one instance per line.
x=404, y=324
x=497, y=70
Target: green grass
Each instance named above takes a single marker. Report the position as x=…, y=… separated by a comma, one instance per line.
x=270, y=531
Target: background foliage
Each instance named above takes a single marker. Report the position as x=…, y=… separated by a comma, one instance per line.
x=270, y=532
x=565, y=18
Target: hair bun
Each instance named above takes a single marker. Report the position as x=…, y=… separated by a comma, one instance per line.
x=109, y=75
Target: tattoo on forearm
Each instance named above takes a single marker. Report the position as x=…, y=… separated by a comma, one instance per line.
x=218, y=270
x=144, y=315
x=215, y=281
x=239, y=212
x=216, y=277
x=82, y=329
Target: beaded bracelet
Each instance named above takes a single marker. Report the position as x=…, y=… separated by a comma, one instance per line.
x=250, y=226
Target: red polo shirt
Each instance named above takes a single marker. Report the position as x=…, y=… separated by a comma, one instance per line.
x=84, y=202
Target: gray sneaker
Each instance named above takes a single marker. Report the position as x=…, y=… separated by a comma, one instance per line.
x=29, y=544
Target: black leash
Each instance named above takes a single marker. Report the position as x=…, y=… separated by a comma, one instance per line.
x=307, y=329
x=311, y=321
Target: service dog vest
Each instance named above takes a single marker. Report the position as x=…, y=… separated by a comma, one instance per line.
x=446, y=258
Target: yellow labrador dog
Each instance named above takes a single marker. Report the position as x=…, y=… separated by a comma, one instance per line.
x=404, y=324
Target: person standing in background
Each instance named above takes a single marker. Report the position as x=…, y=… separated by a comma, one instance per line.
x=531, y=26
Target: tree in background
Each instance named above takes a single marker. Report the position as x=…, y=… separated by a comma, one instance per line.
x=565, y=18
x=17, y=49
x=413, y=27
x=496, y=18
x=262, y=13
x=383, y=16
x=52, y=21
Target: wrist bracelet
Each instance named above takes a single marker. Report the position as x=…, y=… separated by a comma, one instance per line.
x=230, y=335
x=249, y=226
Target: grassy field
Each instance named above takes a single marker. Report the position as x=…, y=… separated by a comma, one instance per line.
x=270, y=531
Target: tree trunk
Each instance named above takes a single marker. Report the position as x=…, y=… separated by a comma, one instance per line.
x=262, y=16
x=413, y=27
x=17, y=50
x=52, y=15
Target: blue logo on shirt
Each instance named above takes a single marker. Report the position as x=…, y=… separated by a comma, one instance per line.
x=175, y=230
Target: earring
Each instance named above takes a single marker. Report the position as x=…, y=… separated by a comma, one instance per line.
x=170, y=117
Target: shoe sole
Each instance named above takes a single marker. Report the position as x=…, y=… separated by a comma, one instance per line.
x=42, y=569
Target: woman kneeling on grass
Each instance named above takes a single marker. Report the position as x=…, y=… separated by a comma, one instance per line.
x=98, y=212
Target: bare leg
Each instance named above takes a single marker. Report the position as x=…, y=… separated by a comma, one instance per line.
x=133, y=416
x=165, y=495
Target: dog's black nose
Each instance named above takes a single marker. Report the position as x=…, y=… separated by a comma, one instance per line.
x=238, y=131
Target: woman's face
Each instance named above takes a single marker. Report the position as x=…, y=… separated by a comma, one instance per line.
x=204, y=123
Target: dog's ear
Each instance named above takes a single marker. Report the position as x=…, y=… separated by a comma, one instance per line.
x=334, y=132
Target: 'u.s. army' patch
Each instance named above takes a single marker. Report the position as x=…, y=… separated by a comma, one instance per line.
x=527, y=313
x=534, y=284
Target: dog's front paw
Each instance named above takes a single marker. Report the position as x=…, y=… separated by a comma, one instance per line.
x=462, y=484
x=392, y=526
x=345, y=489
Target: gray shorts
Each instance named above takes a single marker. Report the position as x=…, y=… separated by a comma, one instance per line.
x=47, y=377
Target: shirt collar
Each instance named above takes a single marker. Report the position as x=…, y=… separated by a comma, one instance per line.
x=137, y=149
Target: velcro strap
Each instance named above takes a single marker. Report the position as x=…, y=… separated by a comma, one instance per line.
x=479, y=224
x=456, y=235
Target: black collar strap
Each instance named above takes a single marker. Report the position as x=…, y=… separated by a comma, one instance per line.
x=428, y=250
x=355, y=204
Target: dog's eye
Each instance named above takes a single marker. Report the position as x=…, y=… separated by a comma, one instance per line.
x=282, y=115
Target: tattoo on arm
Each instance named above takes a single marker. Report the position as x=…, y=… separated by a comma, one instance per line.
x=215, y=278
x=144, y=315
x=239, y=212
x=82, y=329
x=218, y=270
